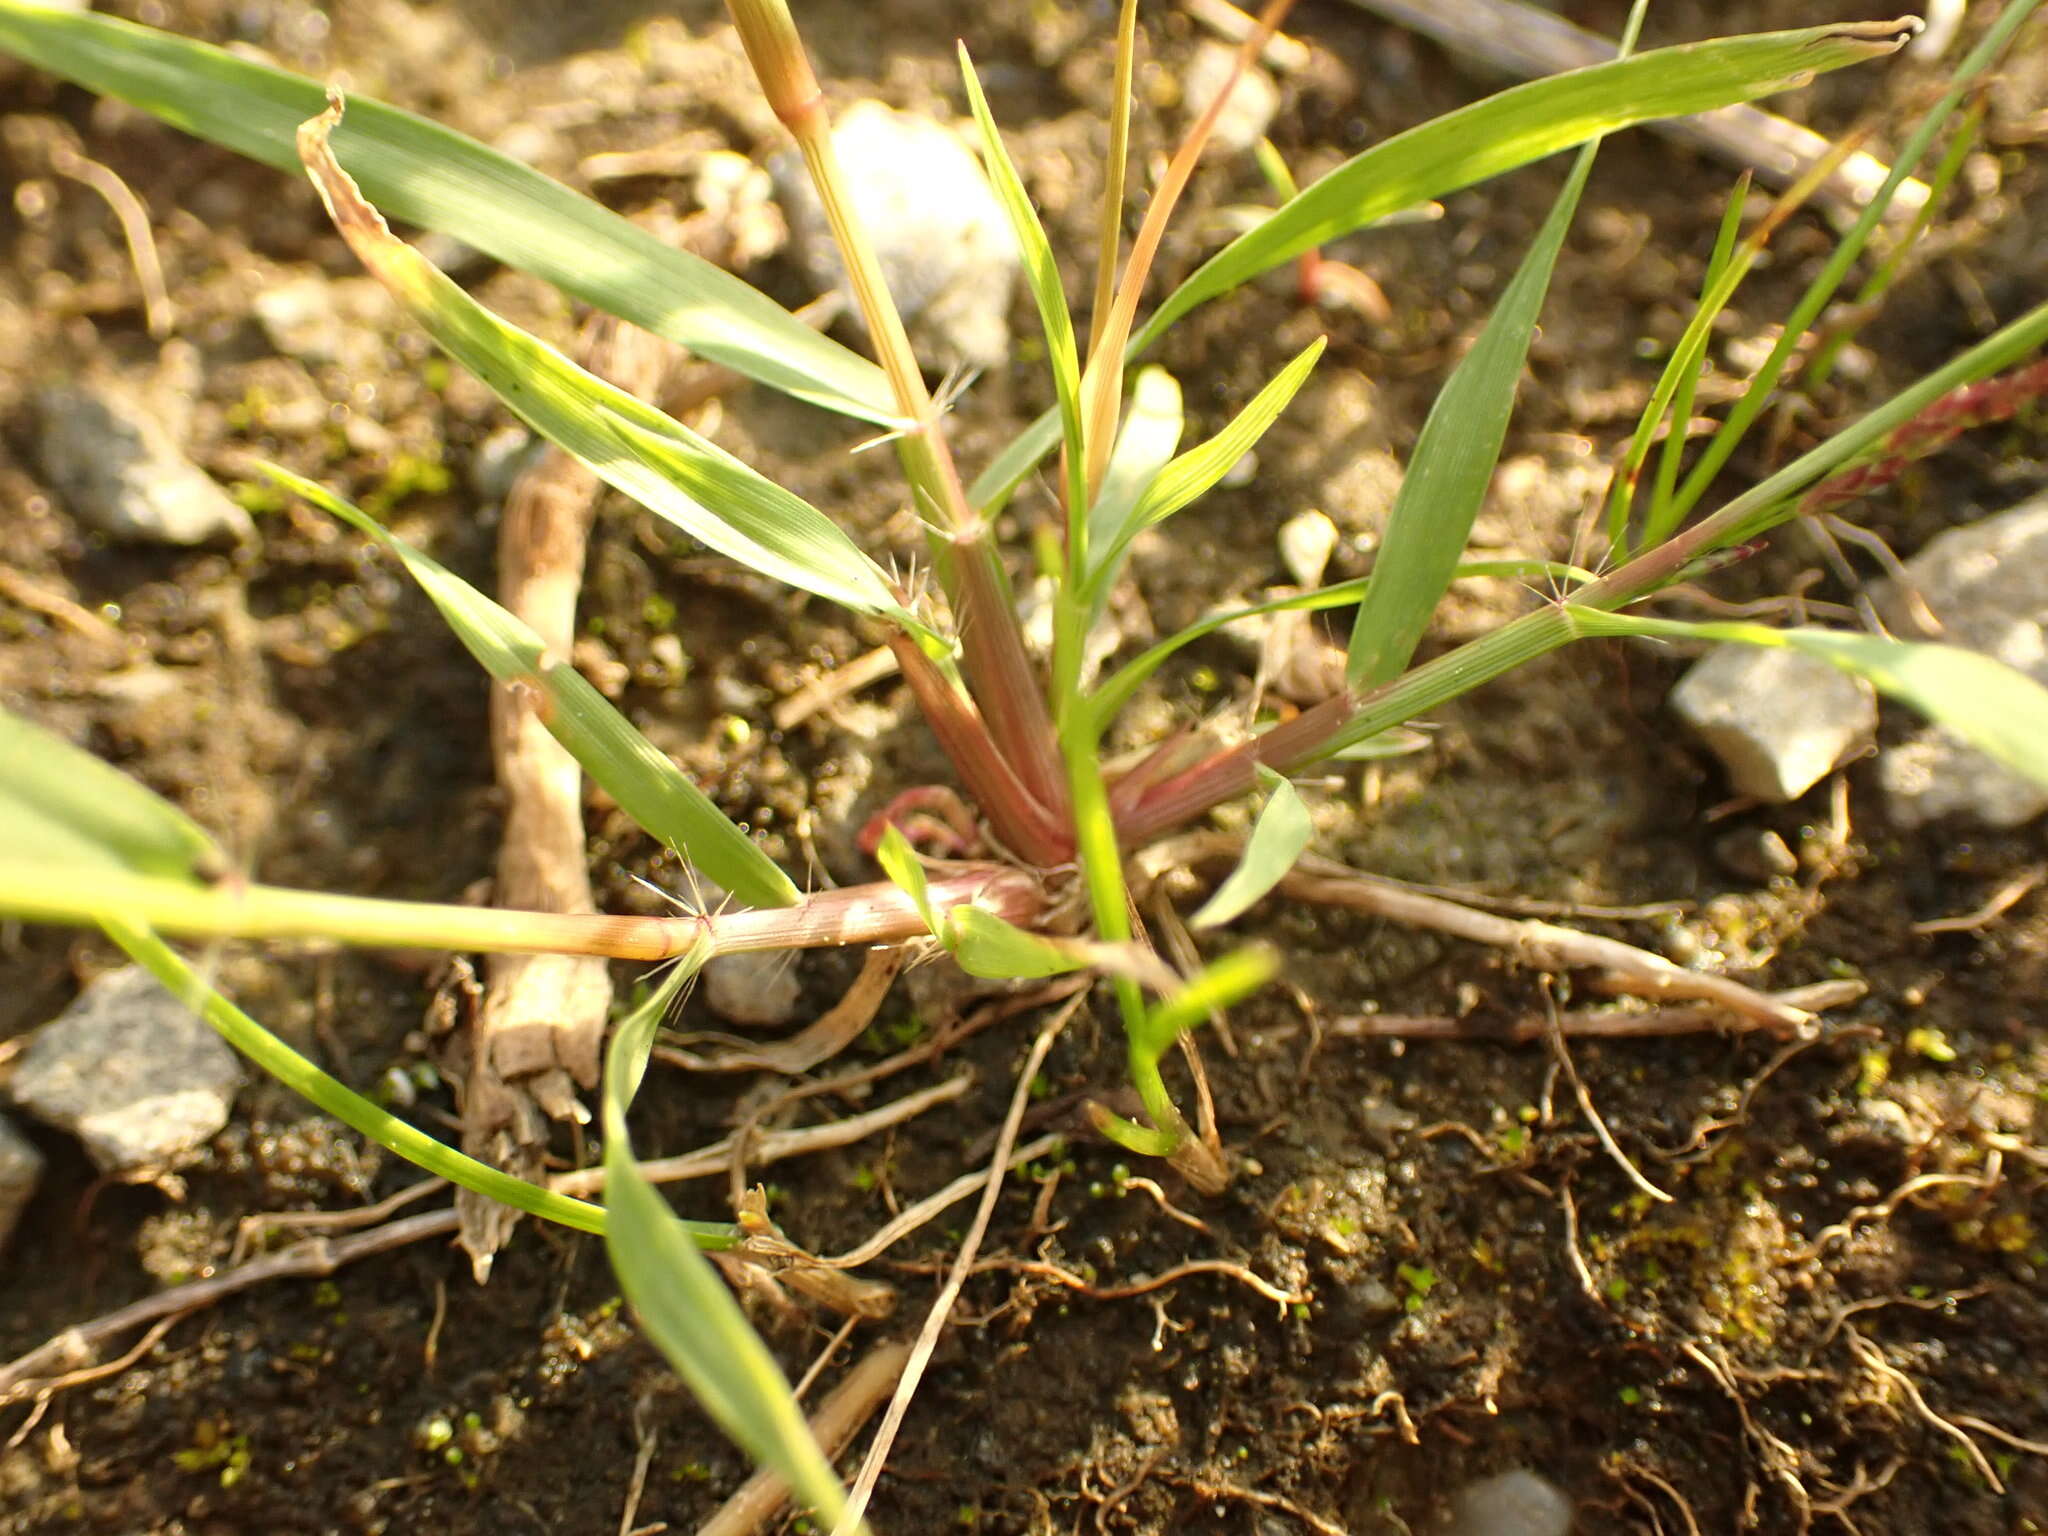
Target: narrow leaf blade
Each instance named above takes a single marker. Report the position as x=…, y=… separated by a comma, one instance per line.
x=1279, y=837
x=651, y=789
x=682, y=1303
x=658, y=462
x=1993, y=707
x=900, y=863
x=1219, y=985
x=987, y=946
x=60, y=801
x=1489, y=138
x=1041, y=271
x=1453, y=462
x=1515, y=127
x=431, y=176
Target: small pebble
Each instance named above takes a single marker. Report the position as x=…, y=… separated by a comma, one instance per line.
x=941, y=236
x=1249, y=112
x=118, y=469
x=1987, y=584
x=130, y=1072
x=756, y=988
x=1778, y=721
x=21, y=1169
x=1517, y=1503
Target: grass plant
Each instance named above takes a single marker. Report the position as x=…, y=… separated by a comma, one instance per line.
x=1023, y=733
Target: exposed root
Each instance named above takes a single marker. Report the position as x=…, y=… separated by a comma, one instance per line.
x=317, y=1257
x=1593, y=1118
x=1873, y=1357
x=819, y=1042
x=963, y=1263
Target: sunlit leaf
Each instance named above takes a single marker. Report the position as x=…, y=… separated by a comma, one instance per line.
x=905, y=870
x=647, y=785
x=682, y=1303
x=428, y=175
x=663, y=465
x=58, y=801
x=1279, y=837
x=1041, y=273
x=1448, y=474
x=1522, y=124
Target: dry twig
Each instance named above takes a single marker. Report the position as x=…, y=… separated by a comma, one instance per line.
x=541, y=1028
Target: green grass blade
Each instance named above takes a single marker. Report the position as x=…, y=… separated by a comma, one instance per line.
x=1765, y=505
x=1452, y=466
x=1192, y=475
x=63, y=801
x=1219, y=985
x=682, y=1303
x=900, y=863
x=1279, y=837
x=436, y=178
x=1762, y=388
x=1686, y=381
x=661, y=464
x=647, y=785
x=347, y=1106
x=1997, y=709
x=985, y=945
x=1525, y=123
x=1500, y=134
x=1042, y=276
x=1152, y=423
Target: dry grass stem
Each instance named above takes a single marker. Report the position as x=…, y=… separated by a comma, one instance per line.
x=315, y=1258
x=158, y=313
x=1537, y=945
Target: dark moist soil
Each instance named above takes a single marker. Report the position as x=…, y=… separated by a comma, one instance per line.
x=1695, y=1365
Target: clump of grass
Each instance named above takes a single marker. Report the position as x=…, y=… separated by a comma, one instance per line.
x=1024, y=736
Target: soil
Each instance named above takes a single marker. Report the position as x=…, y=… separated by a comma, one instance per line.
x=1779, y=1344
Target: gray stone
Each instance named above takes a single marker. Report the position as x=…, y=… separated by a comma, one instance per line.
x=21, y=1169
x=326, y=320
x=1778, y=721
x=758, y=988
x=1517, y=1503
x=941, y=236
x=130, y=1072
x=119, y=469
x=1987, y=583
x=1249, y=112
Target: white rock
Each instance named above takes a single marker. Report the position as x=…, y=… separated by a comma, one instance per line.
x=1988, y=585
x=21, y=1169
x=131, y=1072
x=760, y=989
x=1307, y=540
x=1249, y=112
x=941, y=236
x=1517, y=1503
x=326, y=320
x=1777, y=720
x=118, y=469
